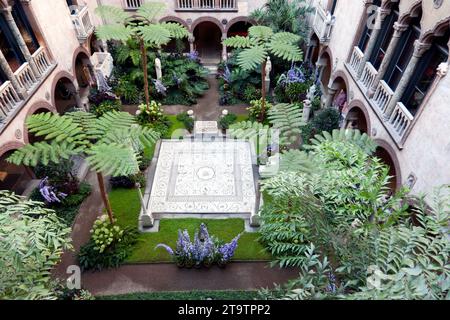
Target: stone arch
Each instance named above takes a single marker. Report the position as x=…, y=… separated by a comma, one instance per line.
x=338, y=91
x=68, y=78
x=35, y=107
x=325, y=65
x=386, y=4
x=313, y=48
x=339, y=76
x=172, y=45
x=439, y=30
x=413, y=12
x=16, y=178
x=175, y=19
x=239, y=19
x=358, y=117
x=207, y=19
x=208, y=35
x=387, y=154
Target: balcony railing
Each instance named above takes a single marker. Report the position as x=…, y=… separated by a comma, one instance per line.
x=368, y=76
x=9, y=99
x=27, y=80
x=400, y=121
x=356, y=60
x=323, y=23
x=396, y=121
x=206, y=5
x=132, y=4
x=82, y=22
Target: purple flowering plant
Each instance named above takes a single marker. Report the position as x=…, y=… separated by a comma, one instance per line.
x=49, y=193
x=203, y=249
x=194, y=56
x=293, y=75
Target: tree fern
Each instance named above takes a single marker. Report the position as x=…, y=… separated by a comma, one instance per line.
x=345, y=135
x=296, y=161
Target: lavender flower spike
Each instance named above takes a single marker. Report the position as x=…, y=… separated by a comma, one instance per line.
x=168, y=249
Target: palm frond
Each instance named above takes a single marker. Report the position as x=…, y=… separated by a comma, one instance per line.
x=136, y=136
x=286, y=37
x=111, y=121
x=347, y=135
x=113, y=159
x=296, y=161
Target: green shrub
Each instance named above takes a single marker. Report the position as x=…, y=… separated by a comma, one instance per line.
x=296, y=92
x=128, y=182
x=90, y=259
x=251, y=93
x=186, y=120
x=325, y=120
x=129, y=92
x=226, y=121
x=150, y=114
x=106, y=106
x=254, y=111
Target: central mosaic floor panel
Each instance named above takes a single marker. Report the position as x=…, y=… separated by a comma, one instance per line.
x=203, y=177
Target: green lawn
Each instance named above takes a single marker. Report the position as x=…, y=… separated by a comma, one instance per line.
x=175, y=125
x=188, y=295
x=125, y=204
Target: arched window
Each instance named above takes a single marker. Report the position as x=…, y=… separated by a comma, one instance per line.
x=9, y=46
x=25, y=28
x=425, y=73
x=403, y=54
x=365, y=37
x=384, y=37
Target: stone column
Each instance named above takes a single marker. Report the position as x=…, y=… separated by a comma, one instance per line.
x=4, y=65
x=78, y=100
x=419, y=49
x=7, y=13
x=399, y=29
x=224, y=48
x=381, y=15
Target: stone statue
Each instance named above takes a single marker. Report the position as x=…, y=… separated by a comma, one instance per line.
x=311, y=93
x=158, y=69
x=268, y=69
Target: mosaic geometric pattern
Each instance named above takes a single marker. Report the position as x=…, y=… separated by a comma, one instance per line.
x=203, y=177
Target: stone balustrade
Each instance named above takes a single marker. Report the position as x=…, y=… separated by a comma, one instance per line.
x=323, y=24
x=206, y=5
x=356, y=60
x=400, y=121
x=25, y=77
x=382, y=97
x=9, y=99
x=82, y=23
x=132, y=4
x=368, y=76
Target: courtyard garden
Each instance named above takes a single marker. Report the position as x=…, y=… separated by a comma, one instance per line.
x=328, y=213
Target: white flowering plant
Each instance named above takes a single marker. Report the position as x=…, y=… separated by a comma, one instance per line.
x=105, y=234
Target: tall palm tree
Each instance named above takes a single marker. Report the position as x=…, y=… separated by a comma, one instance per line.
x=143, y=27
x=258, y=45
x=110, y=144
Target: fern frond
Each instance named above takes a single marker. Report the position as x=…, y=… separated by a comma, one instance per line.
x=44, y=153
x=250, y=58
x=151, y=10
x=52, y=126
x=288, y=118
x=177, y=31
x=111, y=121
x=286, y=51
x=113, y=159
x=260, y=33
x=136, y=136
x=286, y=37
x=155, y=34
x=238, y=42
x=112, y=14
x=118, y=32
